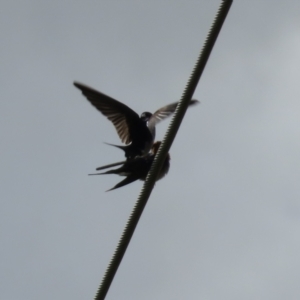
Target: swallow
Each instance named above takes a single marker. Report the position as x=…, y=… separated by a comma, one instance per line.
x=137, y=168
x=137, y=132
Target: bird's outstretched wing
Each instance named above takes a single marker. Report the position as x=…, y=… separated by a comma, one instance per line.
x=123, y=117
x=166, y=111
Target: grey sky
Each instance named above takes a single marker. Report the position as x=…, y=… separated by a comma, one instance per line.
x=223, y=224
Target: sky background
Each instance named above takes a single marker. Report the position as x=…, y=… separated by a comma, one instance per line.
x=223, y=224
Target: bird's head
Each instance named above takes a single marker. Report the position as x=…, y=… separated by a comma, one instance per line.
x=145, y=116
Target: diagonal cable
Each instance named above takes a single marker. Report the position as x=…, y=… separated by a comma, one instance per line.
x=163, y=150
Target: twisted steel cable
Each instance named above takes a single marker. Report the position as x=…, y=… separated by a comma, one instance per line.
x=163, y=150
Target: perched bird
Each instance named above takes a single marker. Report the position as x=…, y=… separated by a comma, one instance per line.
x=137, y=168
x=138, y=133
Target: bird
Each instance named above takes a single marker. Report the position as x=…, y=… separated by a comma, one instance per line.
x=137, y=168
x=136, y=132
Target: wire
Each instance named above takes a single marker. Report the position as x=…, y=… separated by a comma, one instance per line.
x=163, y=150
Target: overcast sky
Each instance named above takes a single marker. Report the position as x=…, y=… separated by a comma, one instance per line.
x=223, y=224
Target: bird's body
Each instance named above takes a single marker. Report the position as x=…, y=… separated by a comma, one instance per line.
x=138, y=133
x=137, y=168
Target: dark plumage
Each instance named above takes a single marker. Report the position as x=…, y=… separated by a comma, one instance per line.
x=138, y=133
x=137, y=168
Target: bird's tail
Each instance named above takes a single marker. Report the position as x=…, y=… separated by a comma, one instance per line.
x=111, y=165
x=108, y=166
x=107, y=172
x=120, y=147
